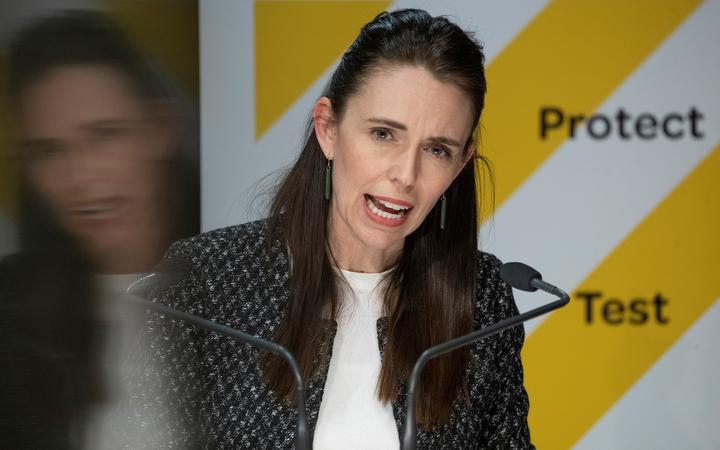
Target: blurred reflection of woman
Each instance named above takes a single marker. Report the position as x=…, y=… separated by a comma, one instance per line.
x=369, y=257
x=107, y=184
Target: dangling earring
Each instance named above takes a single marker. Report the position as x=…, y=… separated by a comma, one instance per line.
x=443, y=211
x=328, y=180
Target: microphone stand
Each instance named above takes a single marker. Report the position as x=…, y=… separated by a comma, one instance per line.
x=302, y=436
x=409, y=438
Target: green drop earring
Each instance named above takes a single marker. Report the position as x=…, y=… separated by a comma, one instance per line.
x=328, y=180
x=443, y=211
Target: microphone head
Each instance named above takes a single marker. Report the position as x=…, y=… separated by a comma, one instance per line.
x=519, y=275
x=166, y=273
x=173, y=270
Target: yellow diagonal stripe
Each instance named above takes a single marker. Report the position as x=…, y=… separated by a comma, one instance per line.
x=168, y=32
x=576, y=371
x=573, y=55
x=295, y=42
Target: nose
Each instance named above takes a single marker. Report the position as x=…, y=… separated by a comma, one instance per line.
x=404, y=169
x=81, y=163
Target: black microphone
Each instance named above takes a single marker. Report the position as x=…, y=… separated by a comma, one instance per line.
x=517, y=275
x=166, y=273
x=523, y=277
x=171, y=271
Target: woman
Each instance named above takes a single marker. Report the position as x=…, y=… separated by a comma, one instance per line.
x=99, y=141
x=102, y=177
x=368, y=258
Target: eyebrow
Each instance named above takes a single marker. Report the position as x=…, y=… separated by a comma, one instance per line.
x=393, y=124
x=388, y=122
x=445, y=141
x=106, y=123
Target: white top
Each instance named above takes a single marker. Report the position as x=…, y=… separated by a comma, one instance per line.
x=351, y=416
x=109, y=425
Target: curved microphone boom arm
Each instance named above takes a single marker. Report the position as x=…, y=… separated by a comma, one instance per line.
x=519, y=276
x=168, y=273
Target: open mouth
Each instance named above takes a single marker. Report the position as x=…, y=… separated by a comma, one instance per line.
x=387, y=209
x=97, y=209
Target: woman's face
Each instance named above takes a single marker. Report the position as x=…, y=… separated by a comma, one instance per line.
x=398, y=146
x=93, y=148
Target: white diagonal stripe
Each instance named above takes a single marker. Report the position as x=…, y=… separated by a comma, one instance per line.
x=589, y=195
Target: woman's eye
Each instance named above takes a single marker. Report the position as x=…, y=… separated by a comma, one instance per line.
x=440, y=152
x=42, y=151
x=382, y=134
x=105, y=133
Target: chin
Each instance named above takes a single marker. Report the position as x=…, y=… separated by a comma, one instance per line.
x=383, y=240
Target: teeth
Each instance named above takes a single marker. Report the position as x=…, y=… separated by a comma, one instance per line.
x=381, y=213
x=393, y=205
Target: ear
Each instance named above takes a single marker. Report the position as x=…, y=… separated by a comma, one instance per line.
x=469, y=154
x=325, y=127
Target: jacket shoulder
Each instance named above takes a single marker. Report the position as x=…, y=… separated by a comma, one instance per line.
x=488, y=264
x=494, y=299
x=498, y=362
x=231, y=267
x=219, y=244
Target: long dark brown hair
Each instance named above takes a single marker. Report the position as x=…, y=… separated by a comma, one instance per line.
x=429, y=295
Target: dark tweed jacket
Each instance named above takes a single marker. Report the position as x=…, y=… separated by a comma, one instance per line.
x=216, y=396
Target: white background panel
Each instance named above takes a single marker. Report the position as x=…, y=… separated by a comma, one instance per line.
x=229, y=160
x=590, y=194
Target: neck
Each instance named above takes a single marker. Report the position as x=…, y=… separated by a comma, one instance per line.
x=130, y=260
x=137, y=250
x=350, y=254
